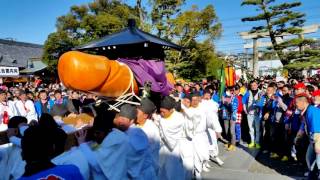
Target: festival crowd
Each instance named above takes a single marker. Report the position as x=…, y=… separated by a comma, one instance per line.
x=173, y=138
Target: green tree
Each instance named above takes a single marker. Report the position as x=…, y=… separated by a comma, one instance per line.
x=161, y=14
x=85, y=23
x=280, y=19
x=195, y=61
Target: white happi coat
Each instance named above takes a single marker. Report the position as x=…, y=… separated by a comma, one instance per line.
x=26, y=109
x=171, y=154
x=198, y=133
x=211, y=110
x=152, y=131
x=139, y=157
x=109, y=159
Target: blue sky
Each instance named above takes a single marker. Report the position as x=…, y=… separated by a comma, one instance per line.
x=32, y=20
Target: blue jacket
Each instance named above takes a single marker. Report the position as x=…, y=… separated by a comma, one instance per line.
x=269, y=106
x=229, y=111
x=216, y=98
x=38, y=105
x=245, y=97
x=312, y=120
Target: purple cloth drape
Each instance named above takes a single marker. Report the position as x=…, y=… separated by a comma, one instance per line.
x=150, y=70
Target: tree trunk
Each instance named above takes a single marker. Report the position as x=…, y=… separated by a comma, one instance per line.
x=273, y=37
x=139, y=6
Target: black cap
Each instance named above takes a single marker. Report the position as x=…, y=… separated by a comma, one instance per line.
x=128, y=111
x=196, y=94
x=168, y=103
x=147, y=106
x=16, y=120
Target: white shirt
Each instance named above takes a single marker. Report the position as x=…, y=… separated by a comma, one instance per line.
x=211, y=111
x=152, y=131
x=26, y=109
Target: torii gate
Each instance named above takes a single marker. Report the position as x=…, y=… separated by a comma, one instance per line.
x=256, y=44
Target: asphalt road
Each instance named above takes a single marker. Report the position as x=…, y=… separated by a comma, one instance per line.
x=245, y=164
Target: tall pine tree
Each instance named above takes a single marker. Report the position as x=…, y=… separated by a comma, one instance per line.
x=280, y=20
x=162, y=12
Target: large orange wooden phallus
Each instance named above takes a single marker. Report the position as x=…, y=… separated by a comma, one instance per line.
x=96, y=74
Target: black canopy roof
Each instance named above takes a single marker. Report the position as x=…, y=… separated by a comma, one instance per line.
x=130, y=35
x=130, y=42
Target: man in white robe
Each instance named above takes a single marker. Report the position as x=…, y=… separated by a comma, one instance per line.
x=139, y=157
x=144, y=121
x=171, y=125
x=214, y=128
x=200, y=139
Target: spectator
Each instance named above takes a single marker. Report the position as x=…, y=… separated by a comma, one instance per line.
x=61, y=107
x=25, y=107
x=43, y=105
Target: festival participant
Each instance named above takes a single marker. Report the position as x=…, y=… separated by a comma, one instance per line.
x=311, y=127
x=87, y=103
x=59, y=137
x=198, y=89
x=186, y=89
x=30, y=95
x=16, y=128
x=5, y=111
x=316, y=98
x=75, y=100
x=61, y=107
x=293, y=122
x=11, y=163
x=25, y=107
x=229, y=115
x=37, y=148
x=107, y=152
x=196, y=114
x=250, y=100
x=171, y=125
x=268, y=105
x=309, y=91
x=239, y=113
x=179, y=91
x=144, y=115
x=139, y=157
x=187, y=148
x=213, y=125
x=283, y=140
x=11, y=103
x=42, y=105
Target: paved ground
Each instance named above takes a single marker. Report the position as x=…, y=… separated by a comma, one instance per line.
x=244, y=164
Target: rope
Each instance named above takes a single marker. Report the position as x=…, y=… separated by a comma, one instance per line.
x=124, y=97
